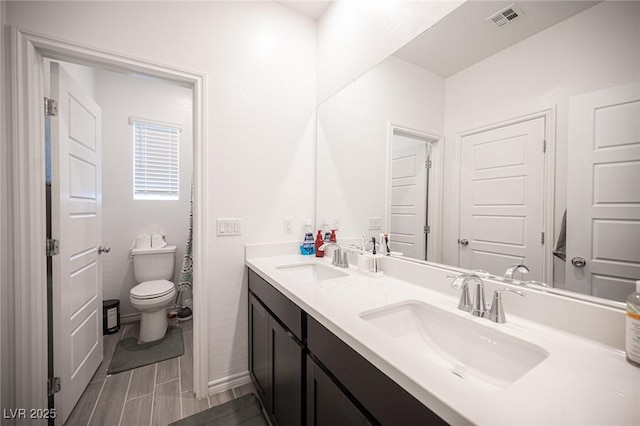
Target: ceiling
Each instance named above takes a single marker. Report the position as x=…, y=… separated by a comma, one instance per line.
x=312, y=9
x=465, y=36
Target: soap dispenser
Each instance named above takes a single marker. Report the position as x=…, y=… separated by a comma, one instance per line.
x=319, y=243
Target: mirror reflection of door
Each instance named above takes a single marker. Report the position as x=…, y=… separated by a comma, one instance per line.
x=603, y=196
x=410, y=166
x=501, y=198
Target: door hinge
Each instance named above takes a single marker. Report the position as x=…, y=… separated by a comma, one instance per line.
x=427, y=164
x=53, y=247
x=544, y=145
x=50, y=107
x=542, y=238
x=53, y=385
x=427, y=229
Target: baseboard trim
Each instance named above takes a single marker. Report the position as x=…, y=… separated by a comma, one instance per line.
x=229, y=382
x=129, y=318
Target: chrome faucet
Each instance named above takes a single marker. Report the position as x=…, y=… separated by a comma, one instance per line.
x=340, y=259
x=477, y=308
x=515, y=268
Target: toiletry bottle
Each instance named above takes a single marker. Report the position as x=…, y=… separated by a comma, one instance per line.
x=633, y=327
x=307, y=248
x=319, y=242
x=333, y=238
x=327, y=233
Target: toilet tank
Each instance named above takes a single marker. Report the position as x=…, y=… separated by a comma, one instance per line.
x=154, y=263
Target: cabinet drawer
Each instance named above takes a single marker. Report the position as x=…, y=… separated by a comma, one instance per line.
x=282, y=308
x=387, y=401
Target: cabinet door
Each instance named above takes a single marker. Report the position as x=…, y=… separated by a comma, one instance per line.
x=259, y=356
x=327, y=405
x=287, y=384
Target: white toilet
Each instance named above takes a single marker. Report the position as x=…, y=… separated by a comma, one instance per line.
x=152, y=268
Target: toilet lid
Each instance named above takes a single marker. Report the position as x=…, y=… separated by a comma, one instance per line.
x=152, y=289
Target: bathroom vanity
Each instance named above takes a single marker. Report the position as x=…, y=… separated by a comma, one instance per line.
x=332, y=346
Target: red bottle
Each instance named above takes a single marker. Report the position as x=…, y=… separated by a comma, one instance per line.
x=319, y=242
x=332, y=237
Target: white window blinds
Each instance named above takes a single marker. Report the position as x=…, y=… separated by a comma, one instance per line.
x=155, y=160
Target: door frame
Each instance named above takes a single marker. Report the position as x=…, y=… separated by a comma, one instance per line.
x=548, y=184
x=30, y=273
x=434, y=206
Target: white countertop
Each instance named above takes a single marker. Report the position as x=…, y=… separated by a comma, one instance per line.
x=581, y=382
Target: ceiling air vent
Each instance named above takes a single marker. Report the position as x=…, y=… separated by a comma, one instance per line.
x=506, y=15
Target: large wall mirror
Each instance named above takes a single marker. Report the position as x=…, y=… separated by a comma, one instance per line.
x=508, y=133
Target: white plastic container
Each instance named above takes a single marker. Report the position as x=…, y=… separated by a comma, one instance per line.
x=633, y=327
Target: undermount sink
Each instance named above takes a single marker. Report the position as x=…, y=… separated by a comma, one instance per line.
x=472, y=351
x=312, y=272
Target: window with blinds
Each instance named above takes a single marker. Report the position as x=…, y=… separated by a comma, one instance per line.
x=155, y=160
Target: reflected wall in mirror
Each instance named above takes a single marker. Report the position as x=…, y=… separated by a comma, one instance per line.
x=526, y=122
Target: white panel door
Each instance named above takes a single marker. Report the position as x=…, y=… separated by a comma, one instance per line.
x=603, y=194
x=501, y=198
x=76, y=223
x=409, y=196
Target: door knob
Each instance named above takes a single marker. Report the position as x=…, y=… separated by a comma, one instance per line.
x=464, y=241
x=104, y=249
x=578, y=262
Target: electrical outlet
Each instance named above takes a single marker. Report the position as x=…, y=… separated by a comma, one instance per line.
x=288, y=225
x=336, y=223
x=375, y=223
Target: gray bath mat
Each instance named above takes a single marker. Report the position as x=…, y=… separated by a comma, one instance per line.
x=129, y=354
x=243, y=411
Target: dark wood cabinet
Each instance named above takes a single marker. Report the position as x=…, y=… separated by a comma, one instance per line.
x=287, y=380
x=276, y=364
x=327, y=404
x=259, y=320
x=306, y=375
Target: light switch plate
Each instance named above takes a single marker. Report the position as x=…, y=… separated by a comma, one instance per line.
x=229, y=226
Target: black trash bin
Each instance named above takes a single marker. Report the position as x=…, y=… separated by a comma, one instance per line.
x=110, y=316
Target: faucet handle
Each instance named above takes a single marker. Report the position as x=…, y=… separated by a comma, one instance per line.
x=460, y=282
x=496, y=313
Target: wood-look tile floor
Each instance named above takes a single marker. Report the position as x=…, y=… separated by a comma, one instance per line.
x=152, y=395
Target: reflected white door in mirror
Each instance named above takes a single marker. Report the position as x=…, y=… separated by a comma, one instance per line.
x=603, y=197
x=501, y=198
x=410, y=166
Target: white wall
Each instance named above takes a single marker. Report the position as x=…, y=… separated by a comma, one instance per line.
x=354, y=36
x=593, y=50
x=354, y=123
x=122, y=96
x=259, y=61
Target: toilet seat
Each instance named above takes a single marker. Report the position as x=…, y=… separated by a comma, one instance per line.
x=151, y=289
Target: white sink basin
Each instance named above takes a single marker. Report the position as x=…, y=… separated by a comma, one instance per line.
x=474, y=352
x=312, y=272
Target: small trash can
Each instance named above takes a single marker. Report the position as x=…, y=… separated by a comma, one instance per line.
x=110, y=316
